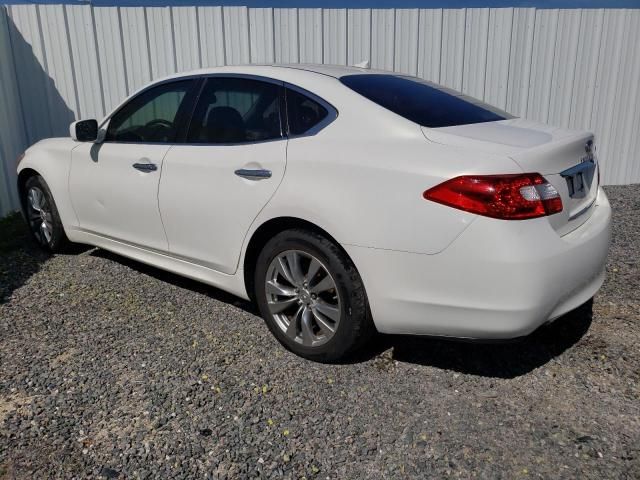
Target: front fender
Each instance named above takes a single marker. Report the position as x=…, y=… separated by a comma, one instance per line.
x=51, y=159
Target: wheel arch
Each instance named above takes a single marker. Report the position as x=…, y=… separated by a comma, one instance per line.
x=265, y=232
x=24, y=175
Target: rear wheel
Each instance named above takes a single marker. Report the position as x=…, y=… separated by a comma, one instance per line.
x=42, y=215
x=311, y=296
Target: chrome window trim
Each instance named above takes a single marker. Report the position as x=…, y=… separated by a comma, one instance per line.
x=248, y=76
x=332, y=112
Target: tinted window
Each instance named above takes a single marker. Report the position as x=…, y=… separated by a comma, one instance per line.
x=235, y=110
x=422, y=102
x=151, y=116
x=303, y=113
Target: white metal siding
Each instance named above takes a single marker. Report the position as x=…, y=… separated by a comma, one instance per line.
x=576, y=68
x=12, y=126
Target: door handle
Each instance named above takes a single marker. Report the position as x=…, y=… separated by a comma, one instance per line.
x=252, y=174
x=145, y=167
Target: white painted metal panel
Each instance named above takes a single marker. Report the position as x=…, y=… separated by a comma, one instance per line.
x=310, y=35
x=85, y=60
x=430, y=44
x=161, y=45
x=628, y=158
x=111, y=60
x=476, y=36
x=407, y=35
x=452, y=57
x=520, y=52
x=542, y=60
x=335, y=36
x=236, y=35
x=607, y=83
x=211, y=35
x=358, y=36
x=582, y=93
x=614, y=118
x=286, y=35
x=30, y=68
x=497, y=69
x=55, y=32
x=576, y=68
x=382, y=39
x=135, y=47
x=12, y=137
x=564, y=66
x=187, y=41
x=262, y=38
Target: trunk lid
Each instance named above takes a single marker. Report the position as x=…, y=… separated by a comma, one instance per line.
x=564, y=157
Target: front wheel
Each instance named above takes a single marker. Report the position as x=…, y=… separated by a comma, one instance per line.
x=42, y=215
x=311, y=296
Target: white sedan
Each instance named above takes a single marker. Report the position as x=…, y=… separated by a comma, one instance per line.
x=341, y=200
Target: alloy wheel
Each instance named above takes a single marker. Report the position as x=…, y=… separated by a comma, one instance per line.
x=303, y=298
x=39, y=215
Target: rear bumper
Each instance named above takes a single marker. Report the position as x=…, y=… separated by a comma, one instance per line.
x=498, y=280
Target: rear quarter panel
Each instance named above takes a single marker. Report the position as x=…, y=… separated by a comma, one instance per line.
x=365, y=188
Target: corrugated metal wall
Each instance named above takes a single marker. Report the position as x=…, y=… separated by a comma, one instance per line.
x=12, y=138
x=577, y=68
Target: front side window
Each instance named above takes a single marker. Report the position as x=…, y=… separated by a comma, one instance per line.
x=236, y=110
x=422, y=102
x=150, y=117
x=303, y=113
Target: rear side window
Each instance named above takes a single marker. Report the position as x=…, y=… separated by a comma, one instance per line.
x=236, y=110
x=422, y=102
x=303, y=113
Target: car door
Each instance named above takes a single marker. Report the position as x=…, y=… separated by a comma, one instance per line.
x=114, y=184
x=231, y=163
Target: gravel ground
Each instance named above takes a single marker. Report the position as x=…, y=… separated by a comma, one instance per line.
x=110, y=369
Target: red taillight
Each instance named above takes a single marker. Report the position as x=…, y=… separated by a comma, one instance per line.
x=509, y=197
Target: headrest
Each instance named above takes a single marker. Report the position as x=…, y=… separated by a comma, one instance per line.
x=225, y=124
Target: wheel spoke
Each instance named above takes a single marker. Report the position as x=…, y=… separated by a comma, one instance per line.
x=283, y=270
x=35, y=199
x=307, y=331
x=293, y=259
x=292, y=328
x=323, y=285
x=327, y=328
x=314, y=268
x=280, y=305
x=45, y=231
x=329, y=311
x=275, y=288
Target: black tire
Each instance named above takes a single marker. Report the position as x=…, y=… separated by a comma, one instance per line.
x=355, y=326
x=57, y=240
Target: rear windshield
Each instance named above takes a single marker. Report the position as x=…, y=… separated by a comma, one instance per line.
x=422, y=102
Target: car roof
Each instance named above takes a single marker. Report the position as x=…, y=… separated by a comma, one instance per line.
x=335, y=71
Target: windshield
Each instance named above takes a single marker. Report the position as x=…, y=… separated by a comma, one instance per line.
x=422, y=102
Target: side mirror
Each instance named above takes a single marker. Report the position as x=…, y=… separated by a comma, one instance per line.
x=84, y=130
